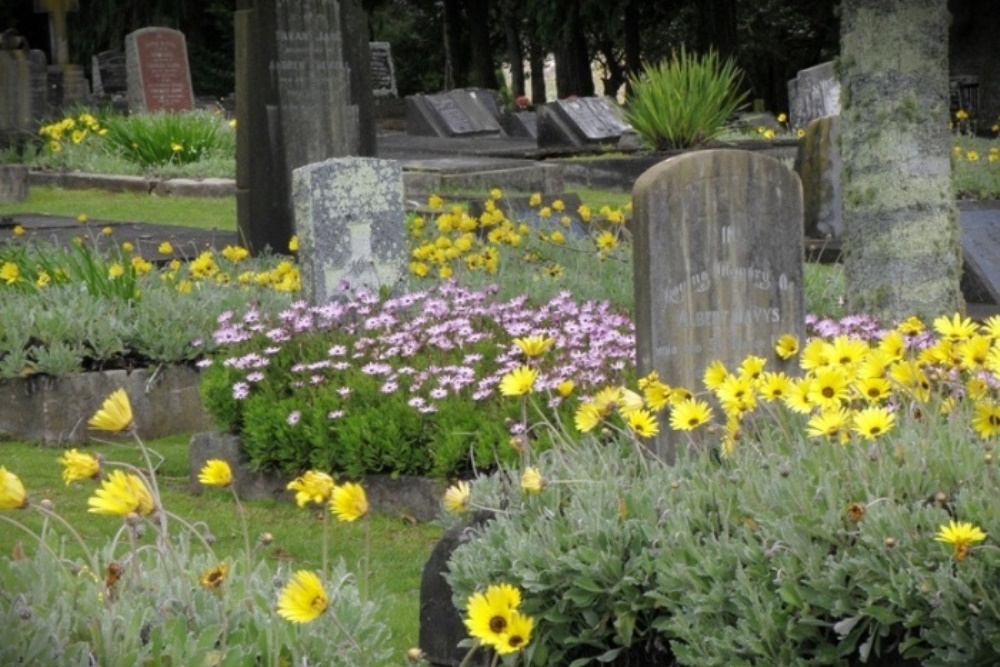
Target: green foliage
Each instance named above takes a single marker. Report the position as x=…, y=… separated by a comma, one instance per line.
x=752, y=560
x=684, y=101
x=151, y=140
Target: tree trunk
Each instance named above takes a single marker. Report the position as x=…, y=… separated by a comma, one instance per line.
x=536, y=62
x=573, y=75
x=454, y=63
x=481, y=71
x=633, y=42
x=515, y=51
x=900, y=232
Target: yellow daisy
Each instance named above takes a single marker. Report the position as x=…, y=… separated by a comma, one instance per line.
x=115, y=414
x=489, y=613
x=830, y=387
x=534, y=346
x=518, y=382
x=532, y=480
x=873, y=421
x=873, y=389
x=689, y=415
x=814, y=355
x=303, y=599
x=774, y=386
x=79, y=465
x=12, y=493
x=956, y=328
x=787, y=346
x=312, y=487
x=122, y=493
x=518, y=634
x=830, y=424
x=588, y=416
x=986, y=421
x=456, y=498
x=216, y=472
x=714, y=375
x=961, y=535
x=349, y=502
x=214, y=577
x=642, y=423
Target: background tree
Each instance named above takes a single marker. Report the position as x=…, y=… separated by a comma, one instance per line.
x=900, y=229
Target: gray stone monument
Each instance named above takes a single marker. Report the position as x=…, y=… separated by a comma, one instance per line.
x=718, y=265
x=351, y=223
x=303, y=95
x=158, y=75
x=65, y=82
x=813, y=93
x=108, y=73
x=383, y=72
x=818, y=164
x=580, y=122
x=456, y=113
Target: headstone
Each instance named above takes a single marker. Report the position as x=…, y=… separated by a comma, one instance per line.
x=383, y=72
x=522, y=124
x=813, y=93
x=38, y=74
x=981, y=254
x=456, y=113
x=108, y=73
x=15, y=92
x=158, y=75
x=350, y=220
x=818, y=164
x=518, y=209
x=718, y=256
x=13, y=183
x=303, y=95
x=441, y=626
x=580, y=122
x=65, y=82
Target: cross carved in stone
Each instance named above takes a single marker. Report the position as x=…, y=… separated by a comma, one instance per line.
x=58, y=37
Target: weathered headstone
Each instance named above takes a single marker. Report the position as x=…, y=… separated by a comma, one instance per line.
x=580, y=122
x=981, y=254
x=65, y=82
x=522, y=124
x=108, y=73
x=303, y=95
x=383, y=72
x=818, y=164
x=456, y=113
x=15, y=92
x=13, y=183
x=158, y=75
x=350, y=220
x=718, y=264
x=813, y=93
x=38, y=74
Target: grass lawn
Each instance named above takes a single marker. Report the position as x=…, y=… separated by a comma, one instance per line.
x=198, y=212
x=399, y=548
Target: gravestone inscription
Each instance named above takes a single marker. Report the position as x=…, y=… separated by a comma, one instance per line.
x=583, y=121
x=108, y=73
x=350, y=221
x=813, y=93
x=981, y=253
x=718, y=255
x=383, y=72
x=158, y=75
x=456, y=113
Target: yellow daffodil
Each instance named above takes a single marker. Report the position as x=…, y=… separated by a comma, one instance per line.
x=961, y=535
x=115, y=414
x=121, y=494
x=216, y=472
x=303, y=599
x=79, y=466
x=349, y=502
x=12, y=493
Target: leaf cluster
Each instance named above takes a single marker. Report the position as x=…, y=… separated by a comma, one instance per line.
x=684, y=101
x=752, y=560
x=152, y=140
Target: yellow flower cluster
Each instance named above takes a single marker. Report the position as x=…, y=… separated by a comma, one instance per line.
x=75, y=129
x=347, y=501
x=494, y=619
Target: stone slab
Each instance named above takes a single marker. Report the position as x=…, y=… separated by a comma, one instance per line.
x=580, y=122
x=108, y=73
x=158, y=74
x=53, y=412
x=350, y=219
x=191, y=187
x=383, y=71
x=818, y=164
x=718, y=257
x=981, y=252
x=457, y=113
x=813, y=93
x=13, y=183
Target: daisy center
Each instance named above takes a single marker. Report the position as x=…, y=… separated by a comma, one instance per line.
x=498, y=624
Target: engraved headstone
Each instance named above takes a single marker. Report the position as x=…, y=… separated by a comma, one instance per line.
x=108, y=73
x=303, y=95
x=159, y=78
x=522, y=124
x=718, y=262
x=813, y=93
x=818, y=164
x=383, y=72
x=456, y=113
x=580, y=122
x=981, y=252
x=350, y=220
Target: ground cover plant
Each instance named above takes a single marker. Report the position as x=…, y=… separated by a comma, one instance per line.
x=840, y=517
x=165, y=588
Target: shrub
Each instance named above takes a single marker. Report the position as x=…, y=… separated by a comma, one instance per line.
x=156, y=139
x=684, y=101
x=787, y=544
x=406, y=385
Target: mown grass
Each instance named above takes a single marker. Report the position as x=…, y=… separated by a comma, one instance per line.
x=198, y=212
x=399, y=547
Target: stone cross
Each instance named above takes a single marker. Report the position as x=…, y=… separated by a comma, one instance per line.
x=57, y=10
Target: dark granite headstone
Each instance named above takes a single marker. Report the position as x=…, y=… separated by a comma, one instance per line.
x=522, y=124
x=15, y=92
x=441, y=626
x=383, y=72
x=108, y=73
x=456, y=113
x=813, y=93
x=718, y=256
x=981, y=252
x=158, y=75
x=303, y=95
x=579, y=122
x=351, y=224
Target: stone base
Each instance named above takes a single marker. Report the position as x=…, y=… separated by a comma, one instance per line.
x=416, y=498
x=54, y=411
